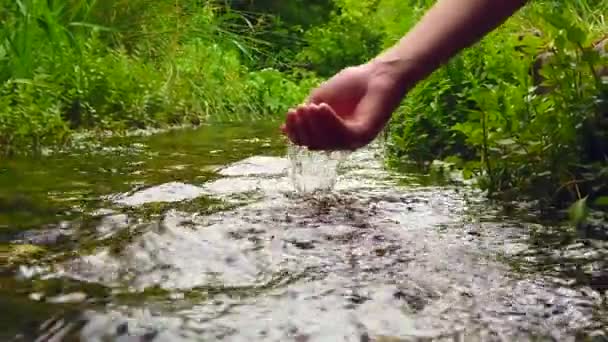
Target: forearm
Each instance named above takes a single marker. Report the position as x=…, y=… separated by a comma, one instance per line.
x=448, y=27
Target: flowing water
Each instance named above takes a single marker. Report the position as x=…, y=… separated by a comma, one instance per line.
x=223, y=233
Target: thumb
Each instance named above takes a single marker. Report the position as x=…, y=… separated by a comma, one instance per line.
x=374, y=110
x=329, y=91
x=316, y=96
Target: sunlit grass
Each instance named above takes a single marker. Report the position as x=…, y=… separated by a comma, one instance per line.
x=123, y=65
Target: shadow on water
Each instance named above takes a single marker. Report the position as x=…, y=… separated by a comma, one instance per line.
x=200, y=235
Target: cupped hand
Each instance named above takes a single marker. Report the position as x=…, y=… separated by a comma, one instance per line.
x=346, y=112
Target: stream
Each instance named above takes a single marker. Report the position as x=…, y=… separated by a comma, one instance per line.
x=225, y=233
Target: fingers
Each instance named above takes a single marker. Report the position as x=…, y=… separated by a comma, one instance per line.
x=295, y=127
x=316, y=127
x=311, y=126
x=302, y=126
x=325, y=127
x=345, y=112
x=307, y=128
x=299, y=127
x=291, y=127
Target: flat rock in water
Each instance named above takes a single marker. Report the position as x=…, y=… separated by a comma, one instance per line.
x=75, y=297
x=232, y=186
x=168, y=192
x=111, y=224
x=257, y=165
x=45, y=237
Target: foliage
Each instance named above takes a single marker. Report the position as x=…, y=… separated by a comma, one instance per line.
x=282, y=25
x=87, y=64
x=29, y=116
x=484, y=112
x=350, y=37
x=523, y=111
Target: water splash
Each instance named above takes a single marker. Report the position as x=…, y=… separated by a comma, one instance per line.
x=314, y=170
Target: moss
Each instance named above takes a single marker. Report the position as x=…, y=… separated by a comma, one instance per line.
x=20, y=253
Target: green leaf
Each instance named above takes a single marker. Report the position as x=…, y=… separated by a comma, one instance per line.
x=560, y=42
x=91, y=26
x=578, y=211
x=556, y=20
x=453, y=160
x=22, y=8
x=506, y=142
x=591, y=56
x=601, y=201
x=577, y=35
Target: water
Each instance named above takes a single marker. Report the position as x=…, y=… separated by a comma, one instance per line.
x=214, y=234
x=313, y=171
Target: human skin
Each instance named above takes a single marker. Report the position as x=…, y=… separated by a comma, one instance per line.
x=351, y=108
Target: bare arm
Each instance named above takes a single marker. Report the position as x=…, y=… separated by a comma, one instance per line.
x=352, y=107
x=448, y=27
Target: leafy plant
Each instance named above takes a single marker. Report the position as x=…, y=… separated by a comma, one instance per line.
x=524, y=110
x=120, y=65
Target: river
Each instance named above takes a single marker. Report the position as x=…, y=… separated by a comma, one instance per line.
x=224, y=233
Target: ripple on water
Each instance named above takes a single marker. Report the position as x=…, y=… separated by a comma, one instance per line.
x=365, y=261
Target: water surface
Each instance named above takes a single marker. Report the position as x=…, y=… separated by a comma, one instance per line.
x=218, y=234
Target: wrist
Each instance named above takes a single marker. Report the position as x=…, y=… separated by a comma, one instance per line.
x=404, y=70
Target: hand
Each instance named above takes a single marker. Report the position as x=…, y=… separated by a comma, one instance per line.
x=346, y=112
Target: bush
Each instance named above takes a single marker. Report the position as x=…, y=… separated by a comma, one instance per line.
x=350, y=37
x=484, y=112
x=30, y=116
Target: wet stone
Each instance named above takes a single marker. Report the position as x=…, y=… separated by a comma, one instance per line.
x=168, y=192
x=226, y=187
x=303, y=244
x=111, y=224
x=75, y=297
x=122, y=329
x=45, y=237
x=257, y=166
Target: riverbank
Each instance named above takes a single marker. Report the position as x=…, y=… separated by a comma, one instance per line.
x=94, y=67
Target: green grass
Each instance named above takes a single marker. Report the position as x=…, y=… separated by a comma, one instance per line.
x=118, y=65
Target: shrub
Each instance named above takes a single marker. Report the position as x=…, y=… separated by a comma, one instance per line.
x=484, y=112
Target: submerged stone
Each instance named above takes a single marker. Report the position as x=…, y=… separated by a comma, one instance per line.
x=45, y=237
x=257, y=165
x=168, y=192
x=75, y=297
x=243, y=185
